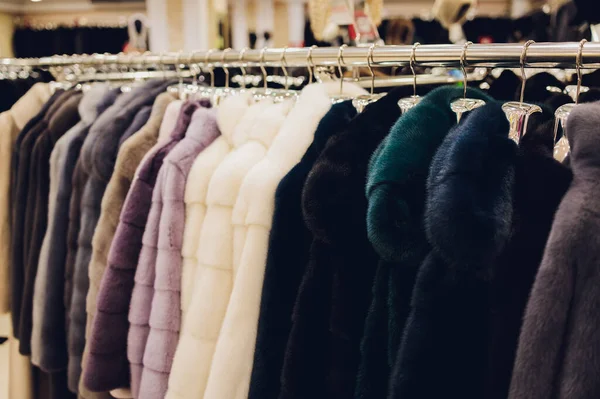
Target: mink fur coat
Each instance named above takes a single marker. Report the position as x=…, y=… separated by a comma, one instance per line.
x=559, y=347
x=333, y=297
x=488, y=213
x=396, y=195
x=108, y=363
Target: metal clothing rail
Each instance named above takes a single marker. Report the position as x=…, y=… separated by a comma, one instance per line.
x=538, y=55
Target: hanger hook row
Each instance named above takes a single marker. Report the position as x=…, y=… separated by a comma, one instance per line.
x=523, y=60
x=369, y=65
x=578, y=66
x=413, y=61
x=463, y=63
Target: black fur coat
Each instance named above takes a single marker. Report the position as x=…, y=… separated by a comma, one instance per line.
x=489, y=210
x=468, y=217
x=322, y=353
x=396, y=194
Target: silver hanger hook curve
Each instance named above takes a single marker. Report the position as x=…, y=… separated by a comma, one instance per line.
x=463, y=62
x=243, y=65
x=522, y=62
x=340, y=62
x=369, y=62
x=284, y=67
x=310, y=63
x=413, y=61
x=224, y=66
x=578, y=66
x=262, y=66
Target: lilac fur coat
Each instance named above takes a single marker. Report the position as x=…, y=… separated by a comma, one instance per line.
x=156, y=297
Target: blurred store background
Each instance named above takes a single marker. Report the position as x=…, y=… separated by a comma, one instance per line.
x=31, y=28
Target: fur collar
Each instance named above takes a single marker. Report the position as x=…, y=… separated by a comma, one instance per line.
x=230, y=113
x=298, y=129
x=88, y=107
x=28, y=105
x=469, y=209
x=398, y=171
x=169, y=120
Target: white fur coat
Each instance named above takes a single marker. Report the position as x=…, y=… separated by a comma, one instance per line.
x=215, y=253
x=232, y=362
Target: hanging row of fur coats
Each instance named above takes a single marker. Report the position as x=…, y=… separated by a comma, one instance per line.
x=158, y=248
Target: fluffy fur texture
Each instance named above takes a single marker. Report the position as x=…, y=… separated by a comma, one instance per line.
x=252, y=218
x=25, y=113
x=20, y=186
x=130, y=155
x=324, y=333
x=205, y=164
x=468, y=222
x=558, y=348
x=11, y=123
x=78, y=179
x=396, y=195
x=36, y=212
x=49, y=340
x=165, y=313
x=98, y=155
x=250, y=138
x=540, y=184
x=108, y=362
x=289, y=245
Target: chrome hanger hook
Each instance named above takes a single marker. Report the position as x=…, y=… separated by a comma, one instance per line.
x=369, y=62
x=262, y=66
x=340, y=60
x=224, y=66
x=413, y=61
x=195, y=71
x=578, y=66
x=161, y=62
x=283, y=67
x=522, y=62
x=243, y=65
x=209, y=67
x=310, y=63
x=178, y=68
x=463, y=62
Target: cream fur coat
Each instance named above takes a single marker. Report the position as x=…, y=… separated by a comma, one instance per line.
x=253, y=213
x=215, y=267
x=11, y=123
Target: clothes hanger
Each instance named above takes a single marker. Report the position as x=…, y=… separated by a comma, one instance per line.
x=518, y=113
x=465, y=104
x=561, y=147
x=361, y=102
x=285, y=93
x=407, y=103
x=337, y=98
